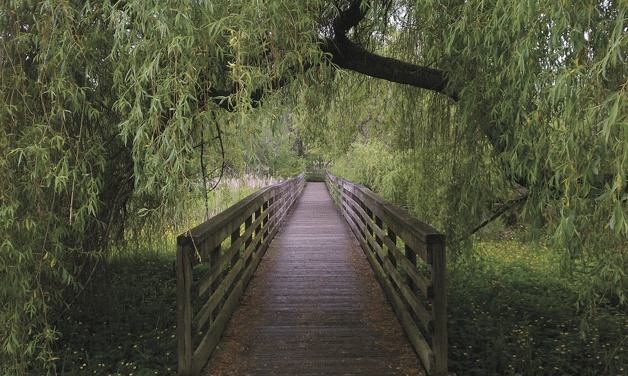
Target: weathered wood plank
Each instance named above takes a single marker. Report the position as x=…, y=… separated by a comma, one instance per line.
x=439, y=309
x=184, y=311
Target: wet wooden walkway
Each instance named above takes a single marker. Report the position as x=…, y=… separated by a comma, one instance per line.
x=314, y=306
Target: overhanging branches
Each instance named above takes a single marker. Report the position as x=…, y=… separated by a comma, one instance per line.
x=346, y=54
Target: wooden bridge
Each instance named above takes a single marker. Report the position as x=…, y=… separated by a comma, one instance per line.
x=314, y=306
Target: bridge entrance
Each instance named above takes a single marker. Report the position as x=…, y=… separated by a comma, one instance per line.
x=314, y=305
x=349, y=285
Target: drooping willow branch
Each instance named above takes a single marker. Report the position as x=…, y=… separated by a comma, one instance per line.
x=221, y=167
x=505, y=207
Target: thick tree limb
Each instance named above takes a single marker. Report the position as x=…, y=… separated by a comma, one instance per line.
x=350, y=17
x=348, y=55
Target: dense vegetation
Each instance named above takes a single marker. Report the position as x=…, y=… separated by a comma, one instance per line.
x=118, y=117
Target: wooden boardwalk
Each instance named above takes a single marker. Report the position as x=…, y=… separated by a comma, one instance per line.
x=314, y=306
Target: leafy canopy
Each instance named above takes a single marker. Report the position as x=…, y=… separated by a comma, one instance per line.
x=107, y=108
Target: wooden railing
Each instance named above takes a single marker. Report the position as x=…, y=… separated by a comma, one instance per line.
x=408, y=258
x=215, y=262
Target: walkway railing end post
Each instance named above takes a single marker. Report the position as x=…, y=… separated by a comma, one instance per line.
x=184, y=311
x=439, y=307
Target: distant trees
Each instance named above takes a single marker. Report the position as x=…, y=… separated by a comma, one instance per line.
x=108, y=106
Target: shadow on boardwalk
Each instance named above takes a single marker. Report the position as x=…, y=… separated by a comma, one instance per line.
x=314, y=306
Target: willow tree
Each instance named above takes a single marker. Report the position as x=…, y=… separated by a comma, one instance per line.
x=108, y=107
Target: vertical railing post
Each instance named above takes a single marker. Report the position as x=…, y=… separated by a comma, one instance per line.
x=247, y=223
x=265, y=221
x=234, y=237
x=439, y=305
x=380, y=224
x=258, y=212
x=411, y=256
x=393, y=238
x=379, y=241
x=271, y=210
x=214, y=256
x=184, y=311
x=369, y=230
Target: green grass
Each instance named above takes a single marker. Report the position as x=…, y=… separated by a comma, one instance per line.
x=125, y=324
x=511, y=313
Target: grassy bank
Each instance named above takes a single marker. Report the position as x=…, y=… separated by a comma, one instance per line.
x=511, y=313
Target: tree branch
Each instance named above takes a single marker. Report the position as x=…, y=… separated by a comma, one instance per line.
x=498, y=213
x=348, y=55
x=350, y=17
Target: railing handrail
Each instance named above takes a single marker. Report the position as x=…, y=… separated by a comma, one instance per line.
x=223, y=222
x=232, y=243
x=378, y=225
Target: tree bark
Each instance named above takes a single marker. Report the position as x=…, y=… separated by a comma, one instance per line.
x=348, y=55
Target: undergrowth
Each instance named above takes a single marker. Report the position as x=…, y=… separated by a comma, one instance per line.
x=125, y=323
x=511, y=313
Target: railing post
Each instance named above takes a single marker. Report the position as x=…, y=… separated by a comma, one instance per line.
x=247, y=223
x=234, y=237
x=184, y=311
x=439, y=306
x=258, y=212
x=411, y=256
x=369, y=231
x=272, y=208
x=380, y=224
x=214, y=256
x=393, y=238
x=265, y=221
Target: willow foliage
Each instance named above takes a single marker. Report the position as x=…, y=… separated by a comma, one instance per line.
x=104, y=117
x=540, y=125
x=546, y=83
x=107, y=108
